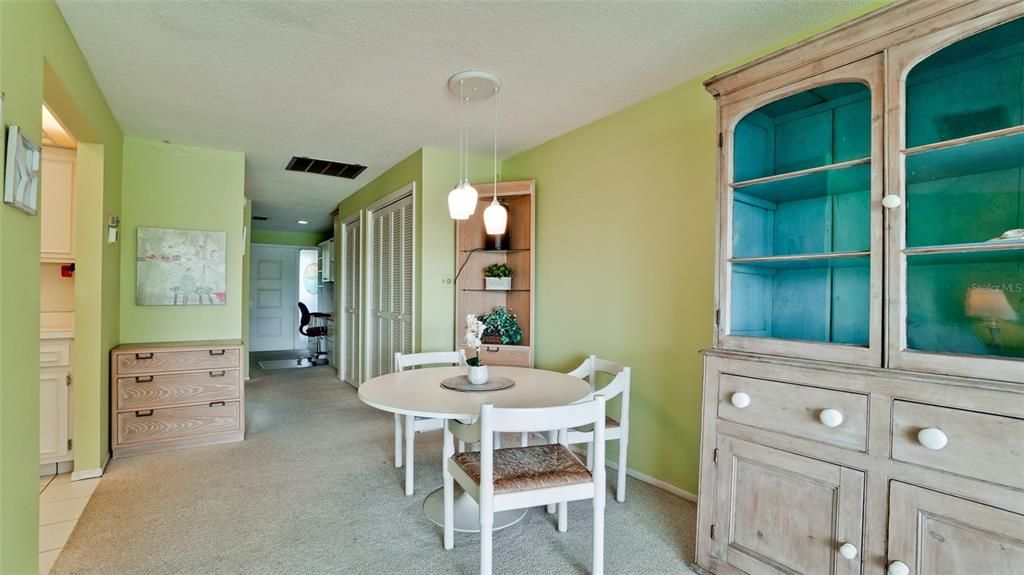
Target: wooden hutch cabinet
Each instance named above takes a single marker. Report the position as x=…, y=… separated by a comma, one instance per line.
x=863, y=404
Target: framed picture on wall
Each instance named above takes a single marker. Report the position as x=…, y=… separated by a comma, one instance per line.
x=21, y=177
x=180, y=267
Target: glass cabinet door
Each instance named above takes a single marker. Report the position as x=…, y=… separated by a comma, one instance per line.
x=959, y=257
x=801, y=228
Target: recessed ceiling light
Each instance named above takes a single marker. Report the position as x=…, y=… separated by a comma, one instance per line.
x=303, y=222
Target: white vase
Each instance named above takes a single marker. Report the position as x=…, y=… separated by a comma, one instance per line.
x=478, y=374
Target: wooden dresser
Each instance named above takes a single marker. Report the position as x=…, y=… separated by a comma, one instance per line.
x=863, y=408
x=176, y=394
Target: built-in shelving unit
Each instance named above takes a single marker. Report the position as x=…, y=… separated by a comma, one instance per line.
x=473, y=254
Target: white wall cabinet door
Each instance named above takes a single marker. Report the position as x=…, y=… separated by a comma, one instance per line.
x=57, y=209
x=352, y=261
x=392, y=282
x=54, y=414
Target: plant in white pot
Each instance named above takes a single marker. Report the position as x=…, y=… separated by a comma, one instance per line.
x=477, y=371
x=498, y=277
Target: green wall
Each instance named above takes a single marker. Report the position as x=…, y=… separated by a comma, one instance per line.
x=174, y=186
x=435, y=173
x=626, y=216
x=39, y=60
x=284, y=238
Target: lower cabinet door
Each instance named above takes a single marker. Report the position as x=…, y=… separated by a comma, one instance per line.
x=53, y=414
x=937, y=534
x=781, y=513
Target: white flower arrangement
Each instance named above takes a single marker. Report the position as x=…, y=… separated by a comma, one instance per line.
x=474, y=336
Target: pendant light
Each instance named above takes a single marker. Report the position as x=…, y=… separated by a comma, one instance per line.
x=468, y=85
x=495, y=216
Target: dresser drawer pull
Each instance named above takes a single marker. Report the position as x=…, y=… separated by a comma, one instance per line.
x=898, y=568
x=217, y=404
x=740, y=400
x=144, y=413
x=848, y=551
x=831, y=417
x=933, y=438
x=217, y=352
x=144, y=355
x=144, y=379
x=492, y=349
x=220, y=373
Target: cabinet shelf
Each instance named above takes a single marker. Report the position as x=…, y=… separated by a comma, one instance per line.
x=984, y=153
x=509, y=251
x=836, y=259
x=835, y=179
x=981, y=252
x=496, y=290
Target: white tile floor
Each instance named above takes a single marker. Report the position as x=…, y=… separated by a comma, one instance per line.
x=61, y=502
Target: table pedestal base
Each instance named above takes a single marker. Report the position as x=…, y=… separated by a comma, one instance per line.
x=467, y=512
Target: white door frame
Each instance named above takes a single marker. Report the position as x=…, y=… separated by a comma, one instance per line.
x=356, y=218
x=368, y=332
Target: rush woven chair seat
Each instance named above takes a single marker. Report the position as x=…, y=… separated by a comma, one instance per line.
x=525, y=468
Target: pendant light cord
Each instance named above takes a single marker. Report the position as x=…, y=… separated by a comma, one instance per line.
x=497, y=115
x=462, y=128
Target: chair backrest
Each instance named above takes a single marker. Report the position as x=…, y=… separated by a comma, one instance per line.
x=304, y=317
x=594, y=365
x=405, y=361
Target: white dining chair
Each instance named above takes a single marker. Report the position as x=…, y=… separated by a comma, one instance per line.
x=614, y=429
x=520, y=477
x=414, y=425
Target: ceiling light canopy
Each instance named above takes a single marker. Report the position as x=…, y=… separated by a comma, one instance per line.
x=303, y=222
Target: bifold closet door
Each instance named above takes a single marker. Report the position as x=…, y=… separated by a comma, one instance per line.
x=391, y=285
x=352, y=285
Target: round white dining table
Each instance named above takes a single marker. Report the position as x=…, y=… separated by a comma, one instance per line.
x=419, y=393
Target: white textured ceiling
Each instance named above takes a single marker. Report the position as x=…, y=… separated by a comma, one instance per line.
x=364, y=82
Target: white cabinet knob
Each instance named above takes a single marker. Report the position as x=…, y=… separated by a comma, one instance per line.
x=739, y=400
x=831, y=418
x=848, y=550
x=892, y=201
x=933, y=438
x=898, y=568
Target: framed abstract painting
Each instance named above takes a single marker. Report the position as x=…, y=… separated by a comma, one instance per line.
x=21, y=176
x=180, y=267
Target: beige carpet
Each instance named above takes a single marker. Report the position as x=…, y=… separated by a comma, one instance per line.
x=313, y=490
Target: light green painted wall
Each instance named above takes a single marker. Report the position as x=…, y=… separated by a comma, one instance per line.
x=435, y=173
x=40, y=59
x=285, y=238
x=175, y=186
x=625, y=259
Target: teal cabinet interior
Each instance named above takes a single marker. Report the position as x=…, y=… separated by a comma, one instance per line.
x=965, y=292
x=801, y=217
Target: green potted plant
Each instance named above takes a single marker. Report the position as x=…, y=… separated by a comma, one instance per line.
x=498, y=277
x=501, y=326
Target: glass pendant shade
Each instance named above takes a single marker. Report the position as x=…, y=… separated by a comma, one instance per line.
x=495, y=218
x=462, y=201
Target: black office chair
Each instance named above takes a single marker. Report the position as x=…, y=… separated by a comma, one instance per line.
x=317, y=332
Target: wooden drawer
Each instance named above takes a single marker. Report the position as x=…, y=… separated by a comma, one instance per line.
x=979, y=445
x=145, y=362
x=147, y=426
x=54, y=353
x=148, y=391
x=510, y=355
x=795, y=410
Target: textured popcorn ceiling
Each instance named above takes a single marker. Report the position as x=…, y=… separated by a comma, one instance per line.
x=364, y=82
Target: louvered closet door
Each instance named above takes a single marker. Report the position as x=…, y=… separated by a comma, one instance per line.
x=352, y=266
x=392, y=281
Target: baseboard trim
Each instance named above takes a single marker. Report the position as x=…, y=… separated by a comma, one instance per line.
x=653, y=481
x=78, y=475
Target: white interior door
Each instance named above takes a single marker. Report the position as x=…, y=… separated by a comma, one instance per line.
x=273, y=297
x=392, y=281
x=352, y=261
